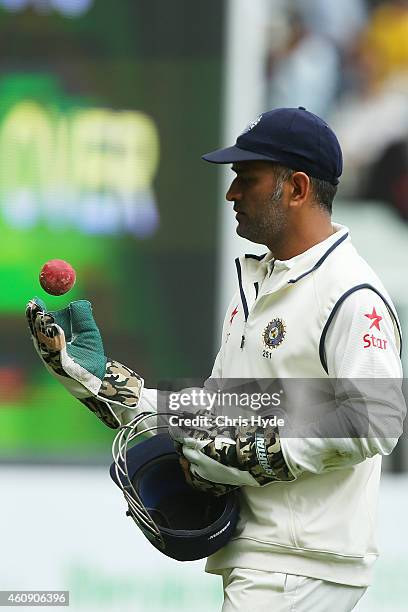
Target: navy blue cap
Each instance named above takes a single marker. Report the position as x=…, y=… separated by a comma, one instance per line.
x=292, y=137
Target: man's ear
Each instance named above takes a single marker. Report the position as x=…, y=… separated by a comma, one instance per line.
x=300, y=183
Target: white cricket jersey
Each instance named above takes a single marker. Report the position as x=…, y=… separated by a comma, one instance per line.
x=323, y=313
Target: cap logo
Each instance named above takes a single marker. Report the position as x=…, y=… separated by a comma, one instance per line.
x=251, y=125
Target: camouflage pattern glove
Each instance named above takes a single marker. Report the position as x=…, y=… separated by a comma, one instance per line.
x=205, y=485
x=255, y=451
x=69, y=344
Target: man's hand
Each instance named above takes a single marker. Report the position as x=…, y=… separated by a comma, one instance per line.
x=205, y=485
x=230, y=457
x=69, y=344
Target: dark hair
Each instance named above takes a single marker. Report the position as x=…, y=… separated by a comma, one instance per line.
x=323, y=191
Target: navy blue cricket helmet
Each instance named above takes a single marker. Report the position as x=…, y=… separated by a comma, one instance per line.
x=180, y=521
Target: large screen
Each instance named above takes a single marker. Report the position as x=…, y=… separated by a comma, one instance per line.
x=105, y=110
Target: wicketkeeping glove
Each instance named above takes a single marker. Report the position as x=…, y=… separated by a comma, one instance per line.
x=69, y=344
x=236, y=456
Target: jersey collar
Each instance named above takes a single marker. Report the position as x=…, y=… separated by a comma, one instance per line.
x=303, y=264
x=307, y=262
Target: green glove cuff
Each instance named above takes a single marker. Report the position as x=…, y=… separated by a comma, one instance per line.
x=70, y=346
x=83, y=336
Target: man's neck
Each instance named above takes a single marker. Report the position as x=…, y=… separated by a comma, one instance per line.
x=301, y=241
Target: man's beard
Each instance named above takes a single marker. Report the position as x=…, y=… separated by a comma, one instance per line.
x=271, y=227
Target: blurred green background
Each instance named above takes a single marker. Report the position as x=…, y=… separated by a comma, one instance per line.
x=103, y=117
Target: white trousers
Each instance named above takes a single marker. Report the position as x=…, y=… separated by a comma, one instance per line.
x=247, y=590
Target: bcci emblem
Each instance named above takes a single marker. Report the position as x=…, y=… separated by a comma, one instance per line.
x=252, y=124
x=274, y=333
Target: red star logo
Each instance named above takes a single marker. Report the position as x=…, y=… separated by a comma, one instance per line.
x=375, y=318
x=233, y=313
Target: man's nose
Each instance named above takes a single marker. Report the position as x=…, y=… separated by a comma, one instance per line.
x=233, y=194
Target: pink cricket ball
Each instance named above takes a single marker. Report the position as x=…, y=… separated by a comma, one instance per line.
x=57, y=277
